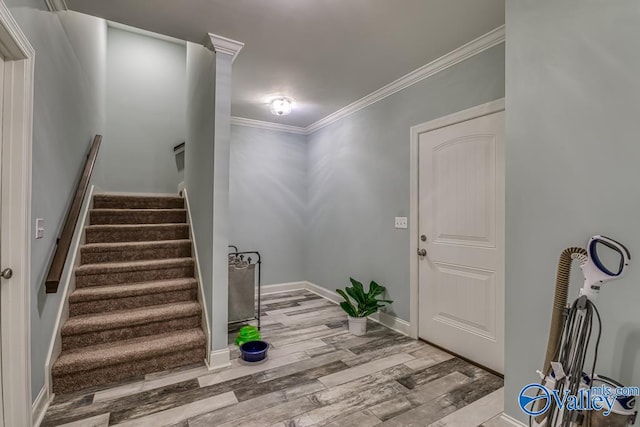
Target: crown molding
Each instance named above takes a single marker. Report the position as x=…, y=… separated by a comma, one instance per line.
x=241, y=121
x=140, y=31
x=474, y=47
x=56, y=5
x=221, y=44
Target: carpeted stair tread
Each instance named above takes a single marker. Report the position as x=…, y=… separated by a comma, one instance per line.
x=127, y=318
x=135, y=232
x=118, y=201
x=117, y=267
x=96, y=293
x=95, y=253
x=108, y=247
x=137, y=216
x=99, y=356
x=135, y=308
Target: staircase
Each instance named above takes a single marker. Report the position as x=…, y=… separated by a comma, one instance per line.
x=135, y=308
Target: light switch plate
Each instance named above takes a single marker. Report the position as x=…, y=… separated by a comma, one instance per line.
x=401, y=222
x=39, y=228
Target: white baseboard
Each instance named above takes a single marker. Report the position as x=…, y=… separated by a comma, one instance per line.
x=282, y=287
x=197, y=272
x=40, y=405
x=394, y=323
x=219, y=359
x=324, y=292
x=509, y=421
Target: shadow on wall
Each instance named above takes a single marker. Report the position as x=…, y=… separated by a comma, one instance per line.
x=180, y=166
x=267, y=199
x=628, y=340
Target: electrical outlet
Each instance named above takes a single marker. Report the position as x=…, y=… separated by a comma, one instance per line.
x=401, y=222
x=39, y=228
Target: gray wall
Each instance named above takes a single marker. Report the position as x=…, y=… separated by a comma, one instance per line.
x=69, y=111
x=572, y=171
x=199, y=155
x=267, y=200
x=359, y=178
x=146, y=81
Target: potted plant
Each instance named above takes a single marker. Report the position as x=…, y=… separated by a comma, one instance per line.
x=366, y=303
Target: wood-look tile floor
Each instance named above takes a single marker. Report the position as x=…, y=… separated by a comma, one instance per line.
x=316, y=374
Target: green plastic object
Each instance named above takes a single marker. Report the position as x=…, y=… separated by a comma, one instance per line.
x=246, y=334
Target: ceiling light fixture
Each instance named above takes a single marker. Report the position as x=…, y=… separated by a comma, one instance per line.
x=281, y=106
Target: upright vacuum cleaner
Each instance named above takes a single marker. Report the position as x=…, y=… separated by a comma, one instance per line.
x=571, y=333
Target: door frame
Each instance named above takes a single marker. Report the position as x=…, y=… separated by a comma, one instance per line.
x=16, y=146
x=414, y=171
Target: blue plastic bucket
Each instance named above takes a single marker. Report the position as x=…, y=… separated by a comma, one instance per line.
x=254, y=351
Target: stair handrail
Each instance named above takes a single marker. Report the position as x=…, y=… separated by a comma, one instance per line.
x=63, y=243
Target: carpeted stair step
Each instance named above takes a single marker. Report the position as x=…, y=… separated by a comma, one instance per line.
x=133, y=272
x=95, y=253
x=135, y=233
x=137, y=216
x=100, y=299
x=116, y=201
x=108, y=363
x=94, y=329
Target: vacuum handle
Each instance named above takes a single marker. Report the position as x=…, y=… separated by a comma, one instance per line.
x=595, y=271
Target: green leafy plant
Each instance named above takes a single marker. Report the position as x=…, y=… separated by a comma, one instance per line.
x=366, y=303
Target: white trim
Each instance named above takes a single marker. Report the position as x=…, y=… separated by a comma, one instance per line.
x=40, y=405
x=221, y=44
x=397, y=324
x=56, y=5
x=219, y=359
x=17, y=111
x=461, y=116
x=414, y=167
x=141, y=32
x=323, y=292
x=508, y=420
x=282, y=287
x=278, y=127
x=474, y=47
x=68, y=286
x=415, y=131
x=194, y=251
x=124, y=193
x=394, y=323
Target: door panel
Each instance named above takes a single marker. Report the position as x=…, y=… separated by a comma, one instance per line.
x=461, y=211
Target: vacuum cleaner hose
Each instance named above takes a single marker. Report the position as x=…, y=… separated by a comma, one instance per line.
x=559, y=305
x=560, y=301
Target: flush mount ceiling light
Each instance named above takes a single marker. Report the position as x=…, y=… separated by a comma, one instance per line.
x=281, y=106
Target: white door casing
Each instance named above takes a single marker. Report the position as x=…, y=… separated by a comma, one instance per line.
x=458, y=287
x=15, y=218
x=1, y=116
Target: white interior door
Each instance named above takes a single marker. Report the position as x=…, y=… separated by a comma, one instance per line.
x=461, y=216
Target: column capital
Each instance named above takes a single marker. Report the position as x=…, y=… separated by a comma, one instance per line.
x=221, y=44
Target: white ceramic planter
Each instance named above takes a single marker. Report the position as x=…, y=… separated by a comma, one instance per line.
x=357, y=325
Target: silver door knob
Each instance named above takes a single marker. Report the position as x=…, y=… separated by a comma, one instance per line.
x=422, y=252
x=7, y=273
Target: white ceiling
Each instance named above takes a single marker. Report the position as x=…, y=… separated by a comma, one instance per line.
x=325, y=54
